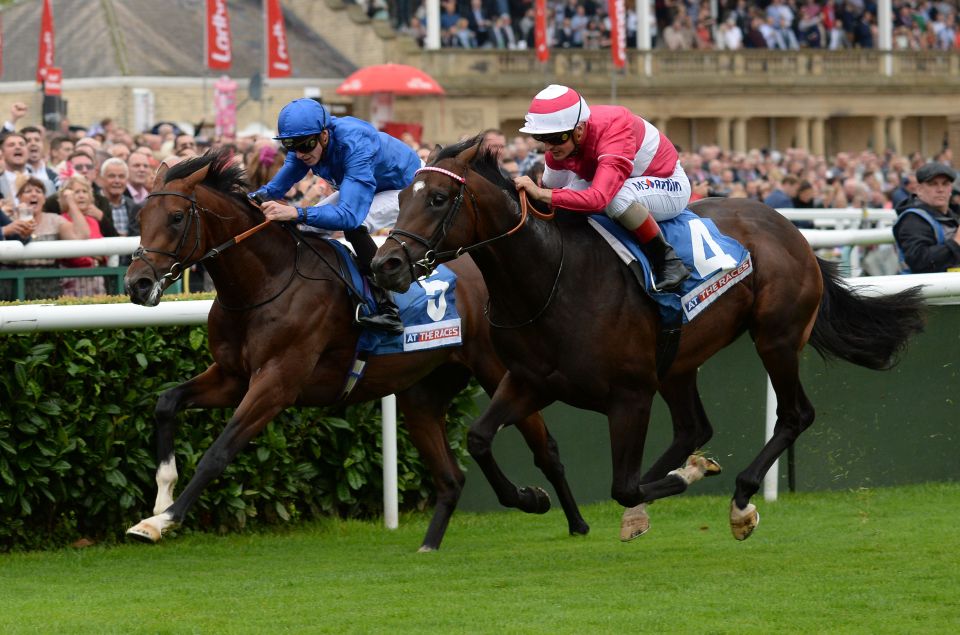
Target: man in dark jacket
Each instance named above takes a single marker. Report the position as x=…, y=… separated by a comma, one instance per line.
x=926, y=229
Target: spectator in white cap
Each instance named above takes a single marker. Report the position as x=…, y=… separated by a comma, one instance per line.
x=609, y=159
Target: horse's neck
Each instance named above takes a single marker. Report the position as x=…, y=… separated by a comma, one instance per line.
x=252, y=268
x=520, y=270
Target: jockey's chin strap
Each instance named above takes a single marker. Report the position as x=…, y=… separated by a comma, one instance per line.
x=193, y=221
x=432, y=257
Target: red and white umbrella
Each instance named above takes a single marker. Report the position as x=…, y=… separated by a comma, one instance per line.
x=395, y=79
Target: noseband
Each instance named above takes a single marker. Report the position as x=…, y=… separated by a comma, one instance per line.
x=432, y=257
x=193, y=221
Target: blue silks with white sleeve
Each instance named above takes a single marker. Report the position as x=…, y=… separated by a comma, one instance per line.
x=716, y=262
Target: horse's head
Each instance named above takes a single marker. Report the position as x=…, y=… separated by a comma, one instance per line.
x=438, y=215
x=174, y=225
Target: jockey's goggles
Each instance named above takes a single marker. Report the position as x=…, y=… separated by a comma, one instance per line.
x=301, y=144
x=554, y=138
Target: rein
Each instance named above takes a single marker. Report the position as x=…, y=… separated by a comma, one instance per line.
x=432, y=257
x=177, y=268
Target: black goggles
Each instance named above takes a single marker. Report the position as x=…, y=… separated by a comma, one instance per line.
x=301, y=144
x=554, y=138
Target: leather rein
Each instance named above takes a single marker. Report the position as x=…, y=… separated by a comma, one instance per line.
x=432, y=257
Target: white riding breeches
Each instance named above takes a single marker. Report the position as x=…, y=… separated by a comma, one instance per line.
x=665, y=197
x=384, y=209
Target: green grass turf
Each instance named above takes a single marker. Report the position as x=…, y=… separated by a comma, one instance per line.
x=868, y=561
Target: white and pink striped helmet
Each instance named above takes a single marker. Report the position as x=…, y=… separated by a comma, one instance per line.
x=556, y=108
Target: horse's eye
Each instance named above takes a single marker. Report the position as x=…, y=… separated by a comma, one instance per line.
x=438, y=199
x=176, y=218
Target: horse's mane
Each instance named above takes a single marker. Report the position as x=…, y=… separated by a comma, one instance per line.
x=224, y=175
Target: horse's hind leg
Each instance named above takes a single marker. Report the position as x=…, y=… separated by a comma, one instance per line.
x=424, y=408
x=210, y=389
x=794, y=415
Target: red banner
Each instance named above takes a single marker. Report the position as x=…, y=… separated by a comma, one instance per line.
x=53, y=83
x=219, y=49
x=618, y=32
x=540, y=31
x=45, y=51
x=278, y=52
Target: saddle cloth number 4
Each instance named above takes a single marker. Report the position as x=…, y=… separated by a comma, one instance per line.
x=701, y=240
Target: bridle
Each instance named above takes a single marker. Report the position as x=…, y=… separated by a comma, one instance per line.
x=193, y=221
x=431, y=258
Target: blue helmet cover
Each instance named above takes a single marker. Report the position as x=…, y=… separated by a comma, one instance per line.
x=302, y=117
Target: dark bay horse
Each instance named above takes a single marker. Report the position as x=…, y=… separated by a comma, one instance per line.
x=281, y=334
x=572, y=324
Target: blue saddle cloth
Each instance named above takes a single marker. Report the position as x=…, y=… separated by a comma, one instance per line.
x=428, y=310
x=716, y=262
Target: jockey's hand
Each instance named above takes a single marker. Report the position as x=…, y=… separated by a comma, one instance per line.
x=276, y=211
x=533, y=191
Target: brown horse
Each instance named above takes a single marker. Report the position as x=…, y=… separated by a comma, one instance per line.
x=572, y=324
x=281, y=333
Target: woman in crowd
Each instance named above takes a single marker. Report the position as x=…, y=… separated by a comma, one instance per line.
x=76, y=195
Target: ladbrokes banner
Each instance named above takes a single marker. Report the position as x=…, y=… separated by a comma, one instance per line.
x=219, y=49
x=540, y=31
x=45, y=50
x=618, y=32
x=278, y=51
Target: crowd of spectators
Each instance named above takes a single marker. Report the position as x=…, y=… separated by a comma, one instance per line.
x=88, y=183
x=682, y=24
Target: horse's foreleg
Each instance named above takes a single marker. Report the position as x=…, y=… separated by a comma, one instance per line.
x=691, y=430
x=628, y=418
x=210, y=389
x=794, y=415
x=511, y=402
x=268, y=394
x=546, y=455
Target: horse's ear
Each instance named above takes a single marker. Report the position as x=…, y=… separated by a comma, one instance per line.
x=468, y=155
x=191, y=182
x=434, y=154
x=158, y=180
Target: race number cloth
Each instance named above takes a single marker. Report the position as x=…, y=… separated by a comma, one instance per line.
x=716, y=262
x=428, y=310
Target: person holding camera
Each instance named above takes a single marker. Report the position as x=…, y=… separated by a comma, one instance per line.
x=926, y=227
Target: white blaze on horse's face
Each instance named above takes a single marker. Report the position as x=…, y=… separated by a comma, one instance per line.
x=418, y=185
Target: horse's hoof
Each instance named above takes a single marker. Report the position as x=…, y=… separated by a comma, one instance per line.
x=634, y=523
x=743, y=521
x=144, y=532
x=534, y=500
x=710, y=466
x=579, y=529
x=426, y=549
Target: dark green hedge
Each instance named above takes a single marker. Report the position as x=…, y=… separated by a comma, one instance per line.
x=77, y=450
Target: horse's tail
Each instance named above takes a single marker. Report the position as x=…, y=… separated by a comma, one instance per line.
x=867, y=331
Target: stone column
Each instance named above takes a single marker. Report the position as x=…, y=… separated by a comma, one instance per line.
x=953, y=133
x=879, y=134
x=661, y=124
x=803, y=133
x=723, y=133
x=818, y=138
x=896, y=134
x=740, y=134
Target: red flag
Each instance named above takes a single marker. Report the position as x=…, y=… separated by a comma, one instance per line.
x=278, y=53
x=53, y=83
x=618, y=32
x=219, y=49
x=45, y=52
x=540, y=31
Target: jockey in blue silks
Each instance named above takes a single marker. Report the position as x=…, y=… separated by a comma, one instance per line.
x=368, y=168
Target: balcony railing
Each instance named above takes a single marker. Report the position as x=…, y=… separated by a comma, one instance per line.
x=459, y=69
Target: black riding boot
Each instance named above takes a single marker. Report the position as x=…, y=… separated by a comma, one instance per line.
x=668, y=270
x=387, y=316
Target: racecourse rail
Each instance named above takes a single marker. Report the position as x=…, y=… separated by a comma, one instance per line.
x=937, y=288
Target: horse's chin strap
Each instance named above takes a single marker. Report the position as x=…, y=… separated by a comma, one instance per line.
x=432, y=257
